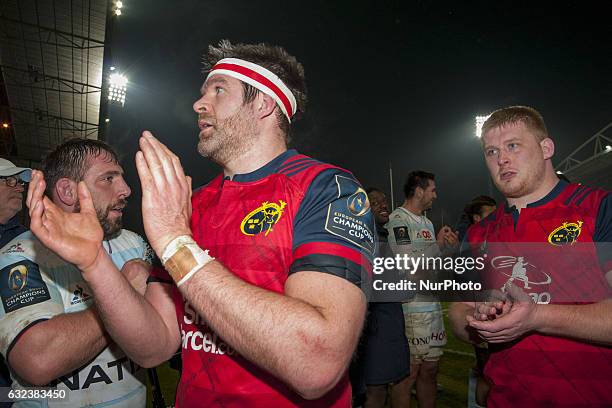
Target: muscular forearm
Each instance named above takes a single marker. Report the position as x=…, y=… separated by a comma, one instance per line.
x=128, y=317
x=58, y=346
x=590, y=323
x=288, y=337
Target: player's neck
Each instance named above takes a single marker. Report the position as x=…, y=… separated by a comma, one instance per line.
x=261, y=153
x=413, y=207
x=548, y=183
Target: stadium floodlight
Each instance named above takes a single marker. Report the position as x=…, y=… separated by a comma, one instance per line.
x=480, y=120
x=117, y=7
x=5, y=125
x=608, y=148
x=117, y=87
x=559, y=172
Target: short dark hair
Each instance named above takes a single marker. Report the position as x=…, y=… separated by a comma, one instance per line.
x=475, y=206
x=416, y=179
x=69, y=160
x=528, y=116
x=274, y=59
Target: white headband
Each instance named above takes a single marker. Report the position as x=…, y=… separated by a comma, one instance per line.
x=261, y=78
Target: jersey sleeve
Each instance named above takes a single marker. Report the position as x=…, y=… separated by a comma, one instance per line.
x=603, y=233
x=28, y=296
x=334, y=228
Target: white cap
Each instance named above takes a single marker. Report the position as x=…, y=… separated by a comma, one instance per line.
x=7, y=168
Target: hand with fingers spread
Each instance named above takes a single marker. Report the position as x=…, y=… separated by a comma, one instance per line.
x=515, y=319
x=166, y=193
x=76, y=237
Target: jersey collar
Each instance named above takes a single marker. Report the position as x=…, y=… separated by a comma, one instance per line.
x=554, y=193
x=267, y=169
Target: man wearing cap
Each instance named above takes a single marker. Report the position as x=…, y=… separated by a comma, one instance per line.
x=264, y=263
x=12, y=180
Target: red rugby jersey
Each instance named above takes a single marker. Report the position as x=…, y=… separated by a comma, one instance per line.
x=294, y=214
x=548, y=250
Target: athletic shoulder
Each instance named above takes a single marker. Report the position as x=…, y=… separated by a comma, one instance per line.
x=584, y=197
x=397, y=216
x=304, y=171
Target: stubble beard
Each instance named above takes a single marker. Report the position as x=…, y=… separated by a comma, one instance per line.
x=110, y=228
x=231, y=138
x=521, y=188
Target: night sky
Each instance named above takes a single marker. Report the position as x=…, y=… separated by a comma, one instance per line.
x=389, y=81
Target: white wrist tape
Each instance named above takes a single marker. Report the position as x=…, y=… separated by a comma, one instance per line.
x=182, y=258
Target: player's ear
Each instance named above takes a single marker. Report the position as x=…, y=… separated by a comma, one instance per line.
x=548, y=148
x=264, y=105
x=66, y=191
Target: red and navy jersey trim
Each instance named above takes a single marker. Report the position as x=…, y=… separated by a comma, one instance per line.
x=294, y=166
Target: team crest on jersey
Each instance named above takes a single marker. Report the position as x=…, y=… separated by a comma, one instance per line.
x=21, y=286
x=566, y=233
x=263, y=218
x=358, y=203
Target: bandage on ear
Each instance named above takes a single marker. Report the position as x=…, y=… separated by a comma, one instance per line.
x=182, y=258
x=261, y=78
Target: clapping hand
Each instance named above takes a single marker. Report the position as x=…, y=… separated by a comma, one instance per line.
x=516, y=317
x=166, y=193
x=74, y=236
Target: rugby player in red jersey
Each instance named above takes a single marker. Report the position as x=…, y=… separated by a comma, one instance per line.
x=550, y=334
x=264, y=263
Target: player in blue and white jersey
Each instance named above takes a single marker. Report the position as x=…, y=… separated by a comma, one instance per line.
x=412, y=234
x=50, y=332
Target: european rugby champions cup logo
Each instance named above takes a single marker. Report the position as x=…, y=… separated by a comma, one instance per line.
x=346, y=215
x=566, y=234
x=18, y=278
x=358, y=203
x=263, y=218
